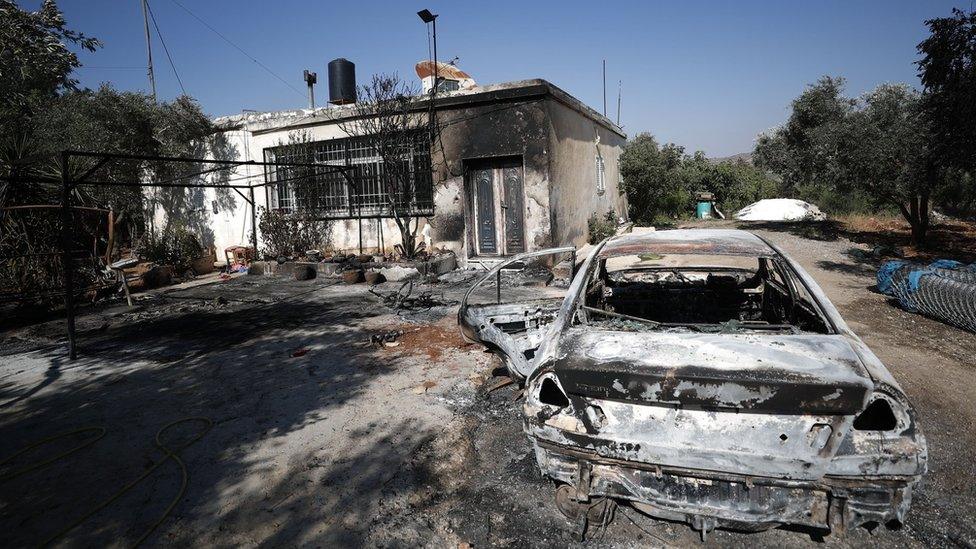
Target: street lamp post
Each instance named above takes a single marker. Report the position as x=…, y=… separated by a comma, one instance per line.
x=430, y=18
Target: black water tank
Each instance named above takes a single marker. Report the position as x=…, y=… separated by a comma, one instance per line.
x=342, y=81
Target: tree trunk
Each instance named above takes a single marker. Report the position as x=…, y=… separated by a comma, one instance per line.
x=917, y=215
x=408, y=235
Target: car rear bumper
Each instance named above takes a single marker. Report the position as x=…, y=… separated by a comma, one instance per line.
x=706, y=499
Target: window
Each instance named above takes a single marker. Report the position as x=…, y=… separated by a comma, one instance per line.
x=601, y=175
x=448, y=85
x=331, y=195
x=701, y=293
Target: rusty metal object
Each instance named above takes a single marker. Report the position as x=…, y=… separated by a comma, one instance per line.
x=403, y=298
x=598, y=511
x=504, y=381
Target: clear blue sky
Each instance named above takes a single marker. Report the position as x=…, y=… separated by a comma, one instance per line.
x=706, y=75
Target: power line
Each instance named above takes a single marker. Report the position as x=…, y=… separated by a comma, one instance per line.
x=238, y=48
x=90, y=67
x=165, y=49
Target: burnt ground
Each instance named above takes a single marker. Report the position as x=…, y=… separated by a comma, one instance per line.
x=321, y=439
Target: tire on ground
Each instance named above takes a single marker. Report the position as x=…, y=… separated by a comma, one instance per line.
x=304, y=272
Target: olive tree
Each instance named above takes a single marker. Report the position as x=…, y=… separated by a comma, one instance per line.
x=388, y=119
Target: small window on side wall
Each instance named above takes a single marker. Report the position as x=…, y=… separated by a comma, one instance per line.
x=601, y=175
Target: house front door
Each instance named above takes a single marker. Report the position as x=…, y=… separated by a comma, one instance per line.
x=497, y=206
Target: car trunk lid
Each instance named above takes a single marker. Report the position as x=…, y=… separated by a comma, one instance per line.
x=788, y=374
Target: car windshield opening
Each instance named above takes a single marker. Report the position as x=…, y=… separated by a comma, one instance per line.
x=700, y=293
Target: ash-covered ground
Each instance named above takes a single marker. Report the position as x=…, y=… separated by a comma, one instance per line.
x=322, y=436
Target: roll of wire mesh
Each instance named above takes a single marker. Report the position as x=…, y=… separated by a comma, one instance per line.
x=944, y=290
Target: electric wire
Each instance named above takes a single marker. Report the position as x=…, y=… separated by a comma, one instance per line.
x=90, y=67
x=238, y=48
x=165, y=49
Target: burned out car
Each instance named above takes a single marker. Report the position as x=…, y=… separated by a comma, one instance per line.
x=704, y=377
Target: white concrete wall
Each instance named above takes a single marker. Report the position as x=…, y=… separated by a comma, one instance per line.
x=557, y=144
x=231, y=226
x=575, y=141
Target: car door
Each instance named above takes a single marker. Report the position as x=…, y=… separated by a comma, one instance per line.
x=513, y=321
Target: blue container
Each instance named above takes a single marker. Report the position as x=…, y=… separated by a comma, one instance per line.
x=704, y=210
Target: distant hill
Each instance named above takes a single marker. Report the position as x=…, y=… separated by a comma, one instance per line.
x=745, y=157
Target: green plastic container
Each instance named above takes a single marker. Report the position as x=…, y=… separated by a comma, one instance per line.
x=703, y=210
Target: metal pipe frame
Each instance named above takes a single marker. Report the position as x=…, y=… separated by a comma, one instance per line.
x=68, y=184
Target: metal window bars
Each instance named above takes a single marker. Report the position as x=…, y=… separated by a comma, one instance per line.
x=367, y=192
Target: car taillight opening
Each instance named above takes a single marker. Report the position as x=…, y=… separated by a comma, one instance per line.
x=550, y=393
x=878, y=416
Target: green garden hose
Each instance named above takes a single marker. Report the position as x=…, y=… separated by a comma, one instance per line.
x=99, y=433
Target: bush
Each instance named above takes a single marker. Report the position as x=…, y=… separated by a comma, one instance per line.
x=661, y=181
x=602, y=227
x=31, y=268
x=177, y=247
x=291, y=234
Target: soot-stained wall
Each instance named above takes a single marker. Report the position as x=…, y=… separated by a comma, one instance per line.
x=554, y=136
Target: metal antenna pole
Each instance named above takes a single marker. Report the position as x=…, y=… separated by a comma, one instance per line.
x=620, y=85
x=431, y=122
x=604, y=87
x=152, y=77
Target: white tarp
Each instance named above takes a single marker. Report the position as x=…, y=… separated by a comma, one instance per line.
x=780, y=209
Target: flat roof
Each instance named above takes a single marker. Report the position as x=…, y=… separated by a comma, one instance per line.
x=688, y=241
x=261, y=122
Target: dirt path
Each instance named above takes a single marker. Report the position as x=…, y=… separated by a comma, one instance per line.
x=935, y=365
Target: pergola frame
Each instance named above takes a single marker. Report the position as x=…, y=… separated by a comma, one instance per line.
x=69, y=183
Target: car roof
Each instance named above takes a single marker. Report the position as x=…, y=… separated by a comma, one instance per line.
x=688, y=241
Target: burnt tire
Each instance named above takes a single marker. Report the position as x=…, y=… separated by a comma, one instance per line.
x=373, y=278
x=598, y=510
x=304, y=272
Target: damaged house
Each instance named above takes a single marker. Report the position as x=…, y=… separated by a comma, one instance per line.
x=517, y=167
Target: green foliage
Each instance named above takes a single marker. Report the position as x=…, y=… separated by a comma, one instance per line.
x=34, y=58
x=174, y=246
x=958, y=195
x=849, y=155
x=661, y=182
x=948, y=73
x=892, y=148
x=652, y=179
x=108, y=120
x=803, y=150
x=42, y=112
x=291, y=234
x=603, y=227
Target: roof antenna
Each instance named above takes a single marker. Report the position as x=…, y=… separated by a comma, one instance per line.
x=620, y=85
x=604, y=87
